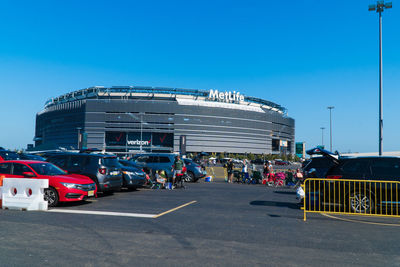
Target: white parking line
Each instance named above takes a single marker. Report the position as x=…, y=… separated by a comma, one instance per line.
x=106, y=213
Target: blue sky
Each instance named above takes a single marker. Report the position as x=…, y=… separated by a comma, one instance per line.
x=304, y=55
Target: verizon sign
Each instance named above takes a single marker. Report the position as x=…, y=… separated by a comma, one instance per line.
x=138, y=142
x=225, y=96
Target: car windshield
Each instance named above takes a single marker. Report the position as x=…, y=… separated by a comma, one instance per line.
x=47, y=169
x=8, y=155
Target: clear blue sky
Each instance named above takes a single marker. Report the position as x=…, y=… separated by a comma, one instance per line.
x=303, y=55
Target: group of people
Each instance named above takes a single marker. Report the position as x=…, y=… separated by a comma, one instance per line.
x=230, y=169
x=161, y=179
x=294, y=177
x=267, y=172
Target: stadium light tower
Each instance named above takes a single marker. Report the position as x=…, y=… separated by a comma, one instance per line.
x=379, y=7
x=330, y=123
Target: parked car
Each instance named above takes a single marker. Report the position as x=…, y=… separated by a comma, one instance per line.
x=281, y=162
x=258, y=161
x=31, y=157
x=365, y=197
x=8, y=155
x=133, y=177
x=63, y=187
x=103, y=169
x=194, y=170
x=155, y=162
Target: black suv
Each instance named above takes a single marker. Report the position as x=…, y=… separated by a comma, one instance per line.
x=103, y=169
x=364, y=197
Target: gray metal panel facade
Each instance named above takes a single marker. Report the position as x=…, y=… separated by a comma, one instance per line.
x=208, y=129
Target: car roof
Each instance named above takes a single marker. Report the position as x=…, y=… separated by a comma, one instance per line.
x=156, y=154
x=81, y=154
x=23, y=161
x=370, y=157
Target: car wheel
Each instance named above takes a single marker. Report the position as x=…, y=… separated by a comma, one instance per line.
x=361, y=203
x=51, y=196
x=190, y=177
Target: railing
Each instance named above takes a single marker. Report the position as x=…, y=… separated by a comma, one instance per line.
x=354, y=197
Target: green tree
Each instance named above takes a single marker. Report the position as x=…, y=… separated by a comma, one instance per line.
x=251, y=156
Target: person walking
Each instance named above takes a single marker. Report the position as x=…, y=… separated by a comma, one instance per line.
x=229, y=168
x=245, y=171
x=177, y=168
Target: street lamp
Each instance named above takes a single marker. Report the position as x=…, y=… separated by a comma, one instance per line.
x=330, y=123
x=379, y=7
x=322, y=128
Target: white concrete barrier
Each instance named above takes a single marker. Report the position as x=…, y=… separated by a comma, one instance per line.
x=24, y=194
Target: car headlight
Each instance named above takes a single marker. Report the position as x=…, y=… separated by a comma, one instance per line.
x=68, y=185
x=139, y=173
x=128, y=173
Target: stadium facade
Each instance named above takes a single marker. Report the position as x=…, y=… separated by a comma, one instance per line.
x=132, y=118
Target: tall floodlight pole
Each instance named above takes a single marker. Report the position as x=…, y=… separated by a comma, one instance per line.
x=330, y=124
x=322, y=128
x=379, y=7
x=141, y=130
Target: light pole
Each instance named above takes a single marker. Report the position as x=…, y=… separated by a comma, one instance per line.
x=322, y=128
x=330, y=123
x=379, y=7
x=141, y=130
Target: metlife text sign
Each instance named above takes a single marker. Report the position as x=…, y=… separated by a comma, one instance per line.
x=226, y=96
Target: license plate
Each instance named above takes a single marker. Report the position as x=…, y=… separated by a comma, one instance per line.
x=90, y=193
x=114, y=172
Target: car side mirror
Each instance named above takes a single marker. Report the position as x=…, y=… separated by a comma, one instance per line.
x=28, y=174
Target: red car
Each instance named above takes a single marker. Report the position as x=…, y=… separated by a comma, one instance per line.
x=63, y=187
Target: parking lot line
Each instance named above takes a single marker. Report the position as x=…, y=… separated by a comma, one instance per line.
x=106, y=213
x=174, y=209
x=359, y=221
x=123, y=214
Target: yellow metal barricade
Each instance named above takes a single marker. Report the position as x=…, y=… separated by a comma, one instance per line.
x=354, y=197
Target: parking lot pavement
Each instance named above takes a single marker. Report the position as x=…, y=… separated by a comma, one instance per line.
x=229, y=224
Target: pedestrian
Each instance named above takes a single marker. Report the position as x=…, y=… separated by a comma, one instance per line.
x=177, y=168
x=270, y=167
x=229, y=168
x=299, y=176
x=265, y=170
x=245, y=170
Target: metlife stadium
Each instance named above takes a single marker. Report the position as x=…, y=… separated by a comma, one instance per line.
x=128, y=119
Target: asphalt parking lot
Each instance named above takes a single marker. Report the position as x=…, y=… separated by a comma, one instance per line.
x=221, y=224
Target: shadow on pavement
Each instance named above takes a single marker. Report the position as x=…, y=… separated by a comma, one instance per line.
x=275, y=204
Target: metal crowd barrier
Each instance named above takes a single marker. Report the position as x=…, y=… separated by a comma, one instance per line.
x=353, y=197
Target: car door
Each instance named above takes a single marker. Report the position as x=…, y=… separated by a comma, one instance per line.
x=356, y=169
x=18, y=170
x=5, y=169
x=386, y=169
